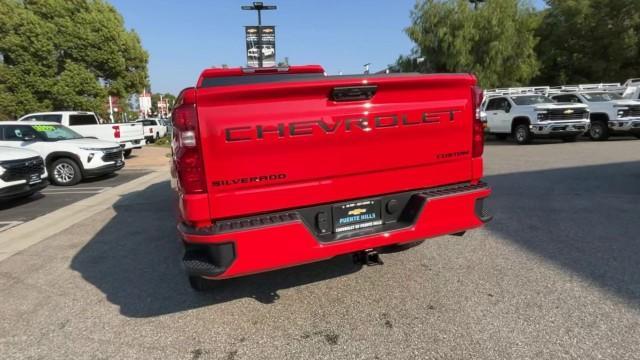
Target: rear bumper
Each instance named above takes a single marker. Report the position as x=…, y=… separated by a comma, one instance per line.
x=132, y=144
x=273, y=241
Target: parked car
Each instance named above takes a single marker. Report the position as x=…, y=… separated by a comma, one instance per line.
x=527, y=113
x=154, y=129
x=69, y=157
x=611, y=114
x=356, y=164
x=22, y=173
x=128, y=135
x=168, y=125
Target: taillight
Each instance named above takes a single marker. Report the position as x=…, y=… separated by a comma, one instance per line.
x=189, y=164
x=116, y=131
x=477, y=147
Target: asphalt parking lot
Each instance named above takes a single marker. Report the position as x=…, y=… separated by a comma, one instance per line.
x=16, y=212
x=555, y=275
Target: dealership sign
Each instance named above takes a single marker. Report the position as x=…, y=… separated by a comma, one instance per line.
x=267, y=46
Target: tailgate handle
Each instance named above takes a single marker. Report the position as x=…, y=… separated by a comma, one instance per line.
x=353, y=93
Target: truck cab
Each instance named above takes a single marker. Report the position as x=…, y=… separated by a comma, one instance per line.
x=610, y=112
x=128, y=135
x=527, y=113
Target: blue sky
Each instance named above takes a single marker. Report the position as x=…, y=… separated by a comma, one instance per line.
x=185, y=37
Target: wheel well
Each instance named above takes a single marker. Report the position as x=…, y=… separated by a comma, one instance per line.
x=61, y=155
x=521, y=120
x=599, y=117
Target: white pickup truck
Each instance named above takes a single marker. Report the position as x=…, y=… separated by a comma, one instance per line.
x=527, y=113
x=128, y=135
x=153, y=129
x=611, y=114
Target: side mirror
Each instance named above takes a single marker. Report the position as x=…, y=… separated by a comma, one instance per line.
x=508, y=109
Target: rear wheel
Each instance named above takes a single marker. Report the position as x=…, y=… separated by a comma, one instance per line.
x=522, y=134
x=127, y=153
x=599, y=131
x=201, y=284
x=65, y=172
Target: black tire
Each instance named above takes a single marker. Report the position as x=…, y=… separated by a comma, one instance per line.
x=569, y=139
x=599, y=131
x=65, y=172
x=157, y=136
x=127, y=153
x=522, y=135
x=201, y=284
x=501, y=136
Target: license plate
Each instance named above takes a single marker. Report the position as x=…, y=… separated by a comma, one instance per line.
x=356, y=215
x=34, y=179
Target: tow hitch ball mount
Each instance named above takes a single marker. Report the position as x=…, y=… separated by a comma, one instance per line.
x=367, y=257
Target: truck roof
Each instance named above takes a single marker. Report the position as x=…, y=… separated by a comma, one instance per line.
x=59, y=113
x=212, y=76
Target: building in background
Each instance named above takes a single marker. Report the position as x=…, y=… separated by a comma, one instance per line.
x=144, y=104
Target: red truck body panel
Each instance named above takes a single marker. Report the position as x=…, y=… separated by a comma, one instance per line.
x=289, y=143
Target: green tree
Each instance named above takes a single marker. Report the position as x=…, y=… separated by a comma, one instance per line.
x=496, y=41
x=589, y=41
x=66, y=54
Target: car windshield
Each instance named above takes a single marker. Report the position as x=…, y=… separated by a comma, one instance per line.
x=601, y=96
x=55, y=132
x=531, y=99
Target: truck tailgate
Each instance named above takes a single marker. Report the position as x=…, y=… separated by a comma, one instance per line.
x=273, y=146
x=130, y=131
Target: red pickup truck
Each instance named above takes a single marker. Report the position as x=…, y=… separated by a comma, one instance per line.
x=285, y=166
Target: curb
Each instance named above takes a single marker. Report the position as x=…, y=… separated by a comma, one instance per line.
x=30, y=233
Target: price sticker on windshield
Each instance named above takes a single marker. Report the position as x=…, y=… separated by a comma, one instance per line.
x=43, y=128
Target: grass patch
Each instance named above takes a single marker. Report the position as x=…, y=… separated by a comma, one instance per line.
x=163, y=141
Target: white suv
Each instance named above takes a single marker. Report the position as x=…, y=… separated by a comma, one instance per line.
x=611, y=114
x=527, y=113
x=69, y=157
x=22, y=173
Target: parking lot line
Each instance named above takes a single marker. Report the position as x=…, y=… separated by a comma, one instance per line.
x=6, y=225
x=34, y=231
x=76, y=190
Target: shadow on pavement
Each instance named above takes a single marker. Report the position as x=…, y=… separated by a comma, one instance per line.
x=20, y=201
x=585, y=219
x=135, y=260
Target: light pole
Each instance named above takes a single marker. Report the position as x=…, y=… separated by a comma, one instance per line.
x=259, y=6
